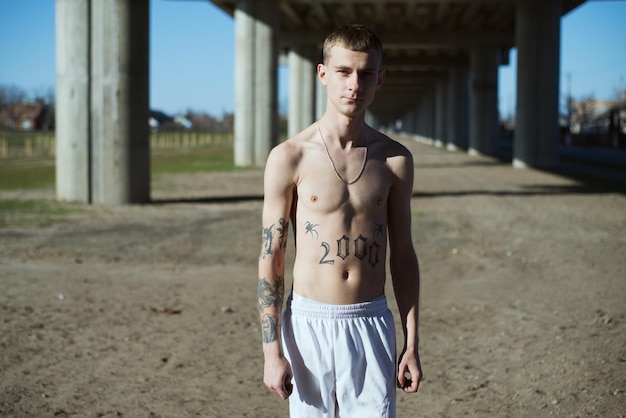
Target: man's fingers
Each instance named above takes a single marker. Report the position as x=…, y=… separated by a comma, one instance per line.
x=288, y=386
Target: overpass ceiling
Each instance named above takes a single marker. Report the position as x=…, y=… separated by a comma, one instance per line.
x=422, y=40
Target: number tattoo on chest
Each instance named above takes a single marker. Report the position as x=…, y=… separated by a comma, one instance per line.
x=358, y=247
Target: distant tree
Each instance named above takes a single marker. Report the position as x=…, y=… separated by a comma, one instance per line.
x=12, y=94
x=582, y=112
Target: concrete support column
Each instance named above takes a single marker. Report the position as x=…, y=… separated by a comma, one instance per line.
x=320, y=97
x=72, y=101
x=408, y=122
x=483, y=101
x=120, y=101
x=427, y=115
x=266, y=80
x=440, y=113
x=243, y=146
x=256, y=85
x=302, y=88
x=371, y=120
x=458, y=103
x=538, y=63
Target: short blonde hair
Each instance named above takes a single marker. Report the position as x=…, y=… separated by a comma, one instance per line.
x=354, y=37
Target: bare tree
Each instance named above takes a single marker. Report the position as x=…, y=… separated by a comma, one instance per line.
x=582, y=113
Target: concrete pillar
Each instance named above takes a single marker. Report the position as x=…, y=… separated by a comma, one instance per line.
x=256, y=81
x=458, y=103
x=309, y=80
x=294, y=115
x=72, y=101
x=408, y=122
x=302, y=88
x=266, y=75
x=371, y=120
x=440, y=113
x=483, y=101
x=427, y=115
x=120, y=101
x=320, y=98
x=538, y=64
x=244, y=83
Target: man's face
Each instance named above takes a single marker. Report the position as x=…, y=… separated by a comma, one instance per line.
x=351, y=78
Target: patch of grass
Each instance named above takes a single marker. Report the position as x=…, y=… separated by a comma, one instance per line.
x=39, y=173
x=32, y=173
x=34, y=212
x=417, y=213
x=193, y=160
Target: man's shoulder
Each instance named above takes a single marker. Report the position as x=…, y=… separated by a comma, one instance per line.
x=290, y=152
x=389, y=146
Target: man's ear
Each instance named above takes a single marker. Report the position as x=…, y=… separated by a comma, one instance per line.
x=382, y=73
x=321, y=73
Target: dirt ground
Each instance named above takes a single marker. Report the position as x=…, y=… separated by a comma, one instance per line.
x=150, y=311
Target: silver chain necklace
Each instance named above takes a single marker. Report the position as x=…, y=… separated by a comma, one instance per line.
x=333, y=162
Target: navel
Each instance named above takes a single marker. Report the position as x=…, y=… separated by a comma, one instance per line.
x=345, y=274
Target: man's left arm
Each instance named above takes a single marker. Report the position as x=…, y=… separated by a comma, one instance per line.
x=405, y=271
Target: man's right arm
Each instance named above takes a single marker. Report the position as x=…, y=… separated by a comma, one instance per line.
x=278, y=197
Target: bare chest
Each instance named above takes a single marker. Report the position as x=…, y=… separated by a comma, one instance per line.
x=322, y=191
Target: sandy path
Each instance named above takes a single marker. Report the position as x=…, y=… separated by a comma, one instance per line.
x=149, y=311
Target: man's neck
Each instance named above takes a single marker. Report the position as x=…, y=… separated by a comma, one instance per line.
x=347, y=130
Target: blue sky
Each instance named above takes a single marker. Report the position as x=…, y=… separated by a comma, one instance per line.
x=192, y=53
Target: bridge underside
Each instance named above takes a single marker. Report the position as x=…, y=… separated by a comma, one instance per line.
x=441, y=57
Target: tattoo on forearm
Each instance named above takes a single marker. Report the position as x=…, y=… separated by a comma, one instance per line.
x=282, y=232
x=269, y=325
x=268, y=236
x=271, y=295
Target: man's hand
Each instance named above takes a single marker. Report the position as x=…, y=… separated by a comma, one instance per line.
x=409, y=371
x=277, y=376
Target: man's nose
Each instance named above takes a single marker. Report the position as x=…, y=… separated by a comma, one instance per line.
x=354, y=81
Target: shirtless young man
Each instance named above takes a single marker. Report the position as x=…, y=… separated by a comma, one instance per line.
x=346, y=189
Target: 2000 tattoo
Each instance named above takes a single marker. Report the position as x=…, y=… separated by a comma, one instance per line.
x=361, y=250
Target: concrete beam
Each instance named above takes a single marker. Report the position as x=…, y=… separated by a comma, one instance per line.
x=409, y=39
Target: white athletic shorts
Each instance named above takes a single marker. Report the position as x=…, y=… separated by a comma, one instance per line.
x=342, y=358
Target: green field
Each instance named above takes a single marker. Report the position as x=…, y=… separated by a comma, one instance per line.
x=170, y=154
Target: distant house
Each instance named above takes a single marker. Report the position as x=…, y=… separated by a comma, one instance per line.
x=158, y=120
x=30, y=116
